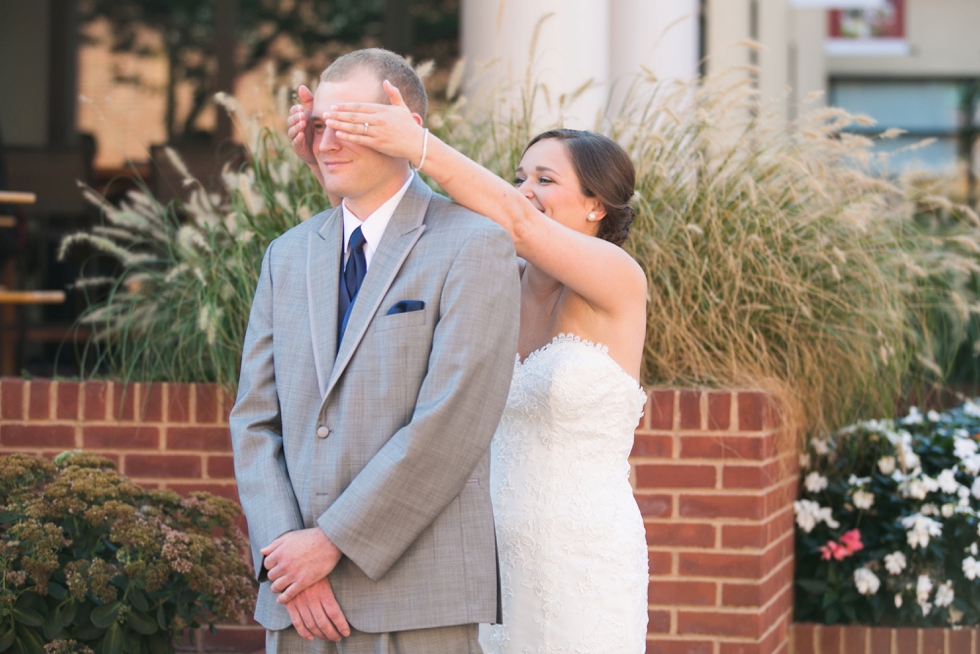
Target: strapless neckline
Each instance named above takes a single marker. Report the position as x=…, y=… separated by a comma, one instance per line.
x=564, y=337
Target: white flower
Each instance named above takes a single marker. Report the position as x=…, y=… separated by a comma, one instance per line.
x=895, y=563
x=920, y=530
x=971, y=464
x=854, y=480
x=866, y=581
x=913, y=418
x=863, y=499
x=964, y=447
x=820, y=446
x=911, y=458
x=947, y=481
x=809, y=513
x=963, y=492
x=929, y=509
x=898, y=600
x=887, y=465
x=805, y=460
x=971, y=409
x=955, y=615
x=917, y=489
x=975, y=489
x=971, y=568
x=948, y=510
x=974, y=549
x=923, y=588
x=944, y=594
x=933, y=416
x=815, y=482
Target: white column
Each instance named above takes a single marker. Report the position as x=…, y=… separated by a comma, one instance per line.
x=811, y=62
x=659, y=35
x=572, y=48
x=728, y=23
x=774, y=34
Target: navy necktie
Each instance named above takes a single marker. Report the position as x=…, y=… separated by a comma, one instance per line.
x=356, y=264
x=353, y=277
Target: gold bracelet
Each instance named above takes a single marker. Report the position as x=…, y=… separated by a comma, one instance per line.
x=425, y=148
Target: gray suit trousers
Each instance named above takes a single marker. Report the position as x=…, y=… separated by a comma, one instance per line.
x=459, y=639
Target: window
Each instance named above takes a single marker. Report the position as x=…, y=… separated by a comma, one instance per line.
x=945, y=110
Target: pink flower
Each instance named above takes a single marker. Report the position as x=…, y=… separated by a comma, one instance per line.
x=848, y=545
x=852, y=541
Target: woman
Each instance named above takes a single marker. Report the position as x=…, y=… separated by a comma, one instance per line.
x=573, y=554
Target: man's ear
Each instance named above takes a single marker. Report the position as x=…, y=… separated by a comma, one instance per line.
x=418, y=118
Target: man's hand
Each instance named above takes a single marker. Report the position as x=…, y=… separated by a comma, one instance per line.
x=316, y=614
x=299, y=559
x=300, y=126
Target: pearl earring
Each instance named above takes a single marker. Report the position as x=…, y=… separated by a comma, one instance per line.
x=591, y=217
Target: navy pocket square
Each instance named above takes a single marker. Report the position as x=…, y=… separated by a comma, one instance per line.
x=406, y=306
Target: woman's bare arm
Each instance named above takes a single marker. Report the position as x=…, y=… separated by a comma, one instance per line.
x=602, y=273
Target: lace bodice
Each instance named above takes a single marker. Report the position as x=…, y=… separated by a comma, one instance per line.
x=573, y=554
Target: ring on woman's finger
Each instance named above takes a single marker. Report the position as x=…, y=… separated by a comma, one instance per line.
x=365, y=129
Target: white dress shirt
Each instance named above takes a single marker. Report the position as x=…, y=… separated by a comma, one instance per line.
x=372, y=227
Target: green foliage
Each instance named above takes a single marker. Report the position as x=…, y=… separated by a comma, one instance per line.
x=92, y=561
x=910, y=488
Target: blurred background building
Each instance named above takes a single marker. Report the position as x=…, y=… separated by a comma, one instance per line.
x=91, y=89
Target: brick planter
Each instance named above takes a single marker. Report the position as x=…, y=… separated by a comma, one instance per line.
x=856, y=639
x=715, y=490
x=716, y=494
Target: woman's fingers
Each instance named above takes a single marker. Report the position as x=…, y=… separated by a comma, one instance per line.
x=305, y=97
x=394, y=95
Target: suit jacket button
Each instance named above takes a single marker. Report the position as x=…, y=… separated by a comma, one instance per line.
x=322, y=432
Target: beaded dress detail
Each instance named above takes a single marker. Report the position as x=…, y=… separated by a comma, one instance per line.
x=571, y=541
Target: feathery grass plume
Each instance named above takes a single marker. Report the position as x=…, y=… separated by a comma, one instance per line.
x=178, y=309
x=776, y=257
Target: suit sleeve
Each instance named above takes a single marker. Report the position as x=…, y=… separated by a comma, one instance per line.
x=256, y=431
x=426, y=463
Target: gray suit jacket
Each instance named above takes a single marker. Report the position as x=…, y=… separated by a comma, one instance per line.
x=411, y=401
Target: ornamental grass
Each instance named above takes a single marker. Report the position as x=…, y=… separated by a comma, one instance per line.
x=777, y=256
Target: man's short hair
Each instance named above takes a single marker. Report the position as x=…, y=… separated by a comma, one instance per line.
x=387, y=66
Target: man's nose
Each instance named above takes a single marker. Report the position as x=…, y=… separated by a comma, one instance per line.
x=328, y=140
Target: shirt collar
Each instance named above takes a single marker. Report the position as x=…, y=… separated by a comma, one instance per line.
x=373, y=227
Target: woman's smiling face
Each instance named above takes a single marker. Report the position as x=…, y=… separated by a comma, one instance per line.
x=547, y=178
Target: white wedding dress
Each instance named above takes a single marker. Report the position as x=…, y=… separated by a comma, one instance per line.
x=572, y=547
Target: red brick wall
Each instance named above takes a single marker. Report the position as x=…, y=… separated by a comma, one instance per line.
x=856, y=639
x=715, y=490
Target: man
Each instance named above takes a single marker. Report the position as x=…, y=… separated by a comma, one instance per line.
x=375, y=368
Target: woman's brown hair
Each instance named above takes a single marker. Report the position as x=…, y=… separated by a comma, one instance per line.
x=605, y=172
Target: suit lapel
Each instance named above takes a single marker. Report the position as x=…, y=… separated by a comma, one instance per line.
x=401, y=235
x=324, y=254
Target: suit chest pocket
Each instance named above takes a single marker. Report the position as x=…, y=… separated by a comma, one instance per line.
x=400, y=320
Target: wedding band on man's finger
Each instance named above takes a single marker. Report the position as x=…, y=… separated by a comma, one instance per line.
x=365, y=129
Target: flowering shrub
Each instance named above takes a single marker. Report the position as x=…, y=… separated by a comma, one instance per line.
x=93, y=562
x=887, y=522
